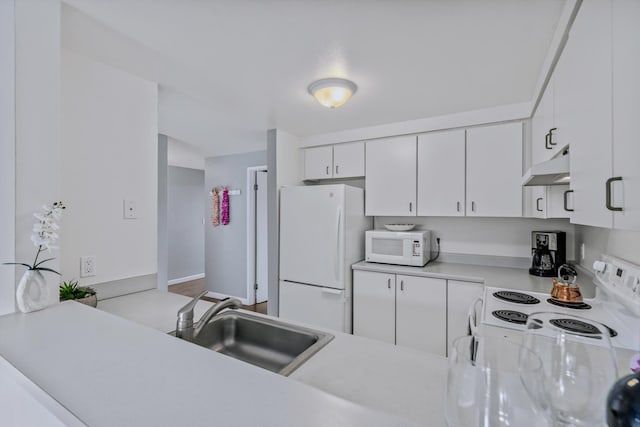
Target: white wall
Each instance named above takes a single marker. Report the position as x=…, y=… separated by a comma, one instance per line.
x=37, y=121
x=7, y=155
x=184, y=155
x=109, y=154
x=286, y=159
x=619, y=243
x=507, y=237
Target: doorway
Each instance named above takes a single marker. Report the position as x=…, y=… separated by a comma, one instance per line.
x=257, y=280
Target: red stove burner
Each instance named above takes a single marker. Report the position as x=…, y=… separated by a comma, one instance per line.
x=573, y=325
x=574, y=305
x=511, y=316
x=516, y=297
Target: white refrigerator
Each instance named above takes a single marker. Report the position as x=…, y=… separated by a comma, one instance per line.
x=321, y=234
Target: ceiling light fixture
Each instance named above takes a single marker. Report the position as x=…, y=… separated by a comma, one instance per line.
x=332, y=92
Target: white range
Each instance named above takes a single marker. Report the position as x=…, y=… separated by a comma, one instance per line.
x=616, y=305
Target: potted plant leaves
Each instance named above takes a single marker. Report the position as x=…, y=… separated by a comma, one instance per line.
x=71, y=291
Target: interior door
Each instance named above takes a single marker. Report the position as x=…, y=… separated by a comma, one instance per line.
x=311, y=235
x=261, y=237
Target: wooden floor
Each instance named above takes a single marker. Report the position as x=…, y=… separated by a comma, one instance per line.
x=194, y=287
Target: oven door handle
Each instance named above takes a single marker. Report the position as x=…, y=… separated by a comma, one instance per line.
x=473, y=320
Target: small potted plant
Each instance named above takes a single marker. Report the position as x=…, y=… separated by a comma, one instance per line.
x=83, y=294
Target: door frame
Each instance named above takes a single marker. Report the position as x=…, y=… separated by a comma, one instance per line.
x=251, y=231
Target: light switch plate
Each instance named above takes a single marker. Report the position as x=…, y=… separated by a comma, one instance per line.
x=130, y=210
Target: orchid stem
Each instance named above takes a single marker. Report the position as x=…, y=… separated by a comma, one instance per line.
x=37, y=254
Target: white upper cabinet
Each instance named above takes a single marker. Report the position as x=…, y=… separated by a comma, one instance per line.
x=626, y=115
x=494, y=170
x=544, y=131
x=390, y=184
x=318, y=162
x=337, y=161
x=601, y=54
x=586, y=77
x=348, y=160
x=555, y=201
x=441, y=173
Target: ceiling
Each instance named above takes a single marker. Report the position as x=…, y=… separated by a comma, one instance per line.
x=228, y=70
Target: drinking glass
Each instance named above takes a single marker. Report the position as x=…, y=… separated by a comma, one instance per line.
x=578, y=368
x=483, y=383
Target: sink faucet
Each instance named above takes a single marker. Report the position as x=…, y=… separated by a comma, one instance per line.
x=186, y=329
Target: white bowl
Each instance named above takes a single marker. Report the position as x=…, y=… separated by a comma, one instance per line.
x=399, y=227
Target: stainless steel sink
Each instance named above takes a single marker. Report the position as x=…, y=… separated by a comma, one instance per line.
x=270, y=344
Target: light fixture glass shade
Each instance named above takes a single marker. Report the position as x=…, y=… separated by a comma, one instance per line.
x=332, y=92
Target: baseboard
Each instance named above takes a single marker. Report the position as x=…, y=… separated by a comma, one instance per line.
x=218, y=295
x=186, y=279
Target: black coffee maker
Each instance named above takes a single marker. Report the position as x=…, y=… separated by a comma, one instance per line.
x=549, y=250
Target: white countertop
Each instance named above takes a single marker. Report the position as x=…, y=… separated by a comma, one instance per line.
x=109, y=371
x=499, y=277
x=393, y=379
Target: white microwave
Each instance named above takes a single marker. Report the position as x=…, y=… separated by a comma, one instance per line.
x=398, y=247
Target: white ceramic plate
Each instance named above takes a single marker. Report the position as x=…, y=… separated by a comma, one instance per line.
x=399, y=227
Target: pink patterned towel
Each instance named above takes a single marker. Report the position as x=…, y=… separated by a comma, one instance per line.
x=225, y=207
x=215, y=212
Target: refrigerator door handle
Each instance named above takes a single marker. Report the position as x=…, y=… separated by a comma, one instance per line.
x=336, y=258
x=332, y=291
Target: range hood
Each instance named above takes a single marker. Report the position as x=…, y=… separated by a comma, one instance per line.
x=554, y=171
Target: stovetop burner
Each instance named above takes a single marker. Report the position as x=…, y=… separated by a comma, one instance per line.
x=516, y=297
x=573, y=325
x=511, y=316
x=565, y=304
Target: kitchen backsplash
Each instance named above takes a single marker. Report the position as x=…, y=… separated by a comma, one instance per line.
x=502, y=237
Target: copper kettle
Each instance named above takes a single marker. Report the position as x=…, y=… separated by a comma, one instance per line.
x=564, y=287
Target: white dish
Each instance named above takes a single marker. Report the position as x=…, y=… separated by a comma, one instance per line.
x=399, y=227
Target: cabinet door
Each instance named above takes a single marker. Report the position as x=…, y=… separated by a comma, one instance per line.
x=318, y=162
x=460, y=297
x=374, y=296
x=348, y=160
x=421, y=313
x=557, y=195
x=541, y=123
x=494, y=170
x=441, y=173
x=390, y=182
x=537, y=197
x=626, y=113
x=586, y=79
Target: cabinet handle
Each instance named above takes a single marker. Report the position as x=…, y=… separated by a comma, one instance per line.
x=551, y=136
x=389, y=283
x=337, y=169
x=546, y=141
x=473, y=206
x=608, y=188
x=402, y=285
x=410, y=207
x=538, y=200
x=458, y=206
x=566, y=200
x=327, y=170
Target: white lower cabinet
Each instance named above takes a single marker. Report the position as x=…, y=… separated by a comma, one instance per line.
x=405, y=310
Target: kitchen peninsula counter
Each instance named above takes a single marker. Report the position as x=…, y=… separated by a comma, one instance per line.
x=107, y=370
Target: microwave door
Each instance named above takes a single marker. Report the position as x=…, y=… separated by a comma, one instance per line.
x=391, y=250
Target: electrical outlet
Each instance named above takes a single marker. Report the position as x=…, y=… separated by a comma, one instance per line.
x=87, y=266
x=130, y=209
